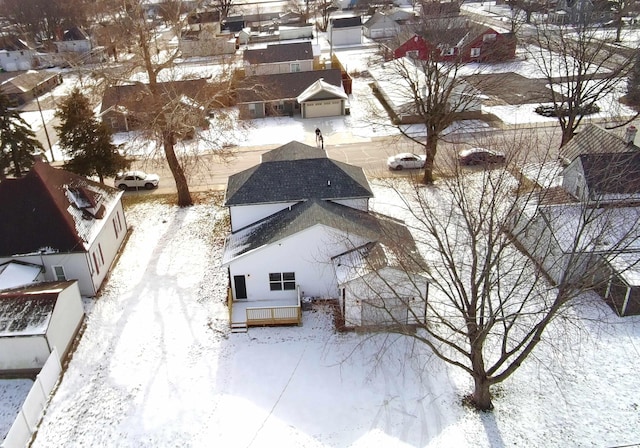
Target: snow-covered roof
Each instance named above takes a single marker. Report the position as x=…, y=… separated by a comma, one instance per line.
x=579, y=228
x=320, y=90
x=627, y=266
x=17, y=273
x=28, y=311
x=52, y=208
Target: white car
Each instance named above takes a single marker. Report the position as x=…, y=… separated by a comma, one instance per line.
x=136, y=179
x=406, y=160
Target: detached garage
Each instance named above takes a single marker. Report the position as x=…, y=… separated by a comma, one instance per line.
x=34, y=320
x=322, y=99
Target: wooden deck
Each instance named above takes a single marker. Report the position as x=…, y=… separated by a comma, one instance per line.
x=266, y=312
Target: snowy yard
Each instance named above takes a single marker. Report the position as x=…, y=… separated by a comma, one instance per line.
x=157, y=366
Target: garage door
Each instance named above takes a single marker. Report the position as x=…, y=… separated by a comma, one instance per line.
x=329, y=108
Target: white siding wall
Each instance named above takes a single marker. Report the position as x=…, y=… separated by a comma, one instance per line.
x=75, y=46
x=23, y=352
x=108, y=243
x=243, y=215
x=346, y=36
x=65, y=320
x=11, y=61
x=76, y=265
x=75, y=268
x=296, y=32
x=277, y=68
x=307, y=253
x=573, y=180
x=396, y=286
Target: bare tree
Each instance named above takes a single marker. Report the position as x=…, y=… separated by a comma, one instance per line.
x=164, y=107
x=490, y=303
x=43, y=19
x=323, y=10
x=582, y=68
x=224, y=6
x=429, y=84
x=621, y=9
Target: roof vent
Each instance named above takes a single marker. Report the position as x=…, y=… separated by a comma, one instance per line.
x=630, y=135
x=328, y=183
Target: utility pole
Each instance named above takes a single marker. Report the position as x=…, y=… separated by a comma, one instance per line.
x=44, y=125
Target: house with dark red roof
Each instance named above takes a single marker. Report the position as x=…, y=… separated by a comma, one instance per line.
x=70, y=226
x=464, y=43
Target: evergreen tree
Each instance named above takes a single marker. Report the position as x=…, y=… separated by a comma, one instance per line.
x=18, y=145
x=85, y=140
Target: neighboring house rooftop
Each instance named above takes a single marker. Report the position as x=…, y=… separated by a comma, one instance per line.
x=375, y=256
x=51, y=210
x=74, y=33
x=27, y=311
x=321, y=90
x=346, y=22
x=292, y=176
x=612, y=173
x=307, y=214
x=12, y=43
x=136, y=98
x=593, y=139
x=299, y=51
x=283, y=85
x=26, y=82
x=203, y=17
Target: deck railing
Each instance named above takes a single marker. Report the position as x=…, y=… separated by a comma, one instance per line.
x=275, y=315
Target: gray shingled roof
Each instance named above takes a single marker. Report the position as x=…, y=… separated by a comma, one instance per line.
x=290, y=175
x=299, y=51
x=347, y=22
x=283, y=86
x=304, y=215
x=593, y=139
x=292, y=151
x=612, y=173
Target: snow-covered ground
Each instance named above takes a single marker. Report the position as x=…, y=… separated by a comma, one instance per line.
x=157, y=366
x=12, y=394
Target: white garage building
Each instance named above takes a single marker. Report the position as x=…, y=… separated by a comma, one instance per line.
x=322, y=99
x=34, y=320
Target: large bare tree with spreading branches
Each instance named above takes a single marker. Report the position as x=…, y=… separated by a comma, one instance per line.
x=429, y=84
x=582, y=68
x=485, y=235
x=168, y=107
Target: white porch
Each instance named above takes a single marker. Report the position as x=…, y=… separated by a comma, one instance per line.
x=244, y=314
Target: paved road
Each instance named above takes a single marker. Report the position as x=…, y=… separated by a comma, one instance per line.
x=210, y=173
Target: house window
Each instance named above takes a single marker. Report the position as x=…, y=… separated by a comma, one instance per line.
x=489, y=37
x=58, y=272
x=101, y=256
x=449, y=52
x=282, y=281
x=413, y=54
x=475, y=52
x=115, y=227
x=95, y=263
x=295, y=67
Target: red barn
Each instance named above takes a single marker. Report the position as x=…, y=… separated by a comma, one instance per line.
x=466, y=44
